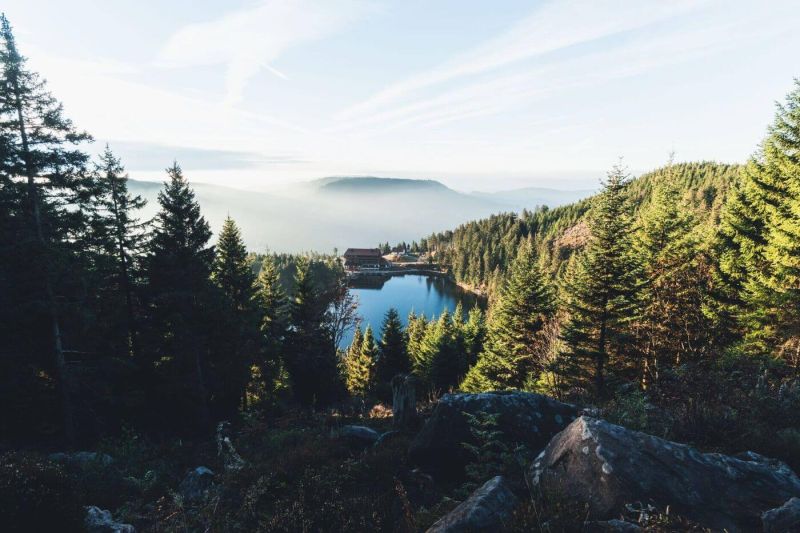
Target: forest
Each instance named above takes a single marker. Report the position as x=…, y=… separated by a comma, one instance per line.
x=668, y=303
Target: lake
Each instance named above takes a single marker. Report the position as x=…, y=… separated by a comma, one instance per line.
x=425, y=295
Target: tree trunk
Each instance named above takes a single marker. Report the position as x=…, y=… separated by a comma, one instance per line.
x=55, y=324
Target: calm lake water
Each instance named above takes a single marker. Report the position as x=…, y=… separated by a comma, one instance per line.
x=425, y=295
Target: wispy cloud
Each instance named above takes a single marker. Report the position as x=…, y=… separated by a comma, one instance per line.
x=554, y=26
x=252, y=38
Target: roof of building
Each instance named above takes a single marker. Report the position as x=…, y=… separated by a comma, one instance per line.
x=363, y=251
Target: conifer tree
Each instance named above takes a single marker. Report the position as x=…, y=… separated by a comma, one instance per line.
x=601, y=293
x=516, y=344
x=118, y=236
x=474, y=334
x=670, y=326
x=360, y=363
x=309, y=354
x=393, y=357
x=271, y=305
x=416, y=326
x=44, y=149
x=179, y=290
x=233, y=275
x=760, y=231
x=442, y=362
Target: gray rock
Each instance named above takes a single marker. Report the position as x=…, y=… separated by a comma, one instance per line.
x=357, y=436
x=489, y=508
x=196, y=484
x=608, y=466
x=525, y=418
x=100, y=521
x=82, y=459
x=782, y=519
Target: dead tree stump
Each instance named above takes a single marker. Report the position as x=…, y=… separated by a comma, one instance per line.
x=404, y=402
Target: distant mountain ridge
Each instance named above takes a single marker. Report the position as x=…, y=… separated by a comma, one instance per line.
x=346, y=211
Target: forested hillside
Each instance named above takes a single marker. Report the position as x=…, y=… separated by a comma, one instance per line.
x=478, y=253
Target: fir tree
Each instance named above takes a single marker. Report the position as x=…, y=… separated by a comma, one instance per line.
x=516, y=344
x=178, y=268
x=393, y=356
x=601, y=292
x=233, y=275
x=670, y=325
x=43, y=148
x=360, y=362
x=309, y=353
x=118, y=236
x=271, y=305
x=760, y=231
x=442, y=362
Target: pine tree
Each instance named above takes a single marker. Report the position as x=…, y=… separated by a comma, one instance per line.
x=309, y=354
x=416, y=326
x=442, y=362
x=43, y=148
x=670, y=326
x=179, y=291
x=272, y=307
x=360, y=362
x=232, y=273
x=118, y=236
x=393, y=357
x=760, y=231
x=474, y=334
x=516, y=343
x=601, y=292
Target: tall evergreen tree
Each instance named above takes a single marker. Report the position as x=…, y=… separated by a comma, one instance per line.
x=670, y=325
x=118, y=236
x=310, y=355
x=393, y=356
x=601, y=293
x=233, y=275
x=442, y=362
x=272, y=307
x=179, y=291
x=760, y=230
x=360, y=363
x=43, y=148
x=516, y=344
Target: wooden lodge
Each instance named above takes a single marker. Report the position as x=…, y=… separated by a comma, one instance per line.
x=364, y=259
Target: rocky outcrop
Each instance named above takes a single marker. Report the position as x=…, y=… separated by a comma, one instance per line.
x=196, y=484
x=82, y=459
x=100, y=521
x=489, y=508
x=782, y=519
x=525, y=418
x=357, y=436
x=608, y=466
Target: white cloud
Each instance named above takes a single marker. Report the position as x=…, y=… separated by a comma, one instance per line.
x=249, y=39
x=556, y=25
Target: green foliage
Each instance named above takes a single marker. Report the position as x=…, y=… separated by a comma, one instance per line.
x=517, y=344
x=359, y=363
x=492, y=456
x=36, y=495
x=393, y=356
x=601, y=292
x=309, y=354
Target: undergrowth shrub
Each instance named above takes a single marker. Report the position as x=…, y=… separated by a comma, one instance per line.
x=37, y=495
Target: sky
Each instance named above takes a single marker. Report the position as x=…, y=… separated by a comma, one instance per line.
x=259, y=94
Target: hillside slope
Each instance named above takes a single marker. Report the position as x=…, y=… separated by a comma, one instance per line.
x=478, y=252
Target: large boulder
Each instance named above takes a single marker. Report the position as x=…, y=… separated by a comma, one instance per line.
x=358, y=437
x=196, y=485
x=489, y=508
x=608, y=466
x=101, y=521
x=525, y=418
x=784, y=518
